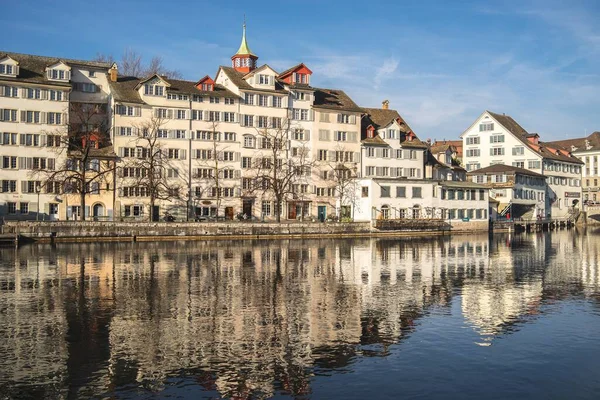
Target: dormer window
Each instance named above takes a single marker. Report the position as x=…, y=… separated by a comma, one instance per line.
x=58, y=74
x=301, y=78
x=207, y=87
x=7, y=69
x=154, y=90
x=264, y=79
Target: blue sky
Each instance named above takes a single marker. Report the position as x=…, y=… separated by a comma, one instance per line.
x=440, y=63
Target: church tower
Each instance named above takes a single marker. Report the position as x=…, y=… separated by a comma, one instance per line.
x=244, y=60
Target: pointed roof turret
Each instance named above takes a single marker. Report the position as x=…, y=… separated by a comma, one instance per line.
x=244, y=50
x=244, y=60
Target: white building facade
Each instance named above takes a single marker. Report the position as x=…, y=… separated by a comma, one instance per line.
x=499, y=139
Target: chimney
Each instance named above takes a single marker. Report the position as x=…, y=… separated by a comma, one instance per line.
x=385, y=104
x=112, y=72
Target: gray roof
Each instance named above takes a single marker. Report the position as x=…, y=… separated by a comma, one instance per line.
x=501, y=168
x=380, y=118
x=334, y=99
x=579, y=144
x=237, y=78
x=124, y=89
x=521, y=134
x=33, y=68
x=462, y=185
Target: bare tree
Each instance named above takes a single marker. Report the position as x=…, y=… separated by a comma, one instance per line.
x=211, y=167
x=87, y=160
x=280, y=169
x=342, y=171
x=148, y=169
x=132, y=64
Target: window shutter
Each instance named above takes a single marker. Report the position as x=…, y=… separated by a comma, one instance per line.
x=43, y=138
x=339, y=118
x=352, y=136
x=205, y=116
x=23, y=186
x=16, y=69
x=48, y=74
x=307, y=135
x=138, y=111
x=353, y=119
x=64, y=119
x=236, y=157
x=170, y=114
x=491, y=152
x=23, y=116
x=331, y=155
x=51, y=164
x=43, y=118
x=238, y=173
x=66, y=96
x=357, y=157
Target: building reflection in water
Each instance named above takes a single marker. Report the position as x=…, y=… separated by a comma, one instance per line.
x=256, y=318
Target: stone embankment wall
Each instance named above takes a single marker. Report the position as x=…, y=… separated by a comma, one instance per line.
x=74, y=231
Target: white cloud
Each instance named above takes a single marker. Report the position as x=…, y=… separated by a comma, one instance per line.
x=388, y=67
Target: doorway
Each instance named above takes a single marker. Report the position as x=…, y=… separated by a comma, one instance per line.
x=229, y=213
x=322, y=213
x=247, y=207
x=292, y=211
x=155, y=213
x=98, y=211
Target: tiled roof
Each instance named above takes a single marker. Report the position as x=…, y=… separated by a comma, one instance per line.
x=456, y=144
x=125, y=89
x=380, y=118
x=334, y=99
x=501, y=168
x=237, y=78
x=375, y=141
x=287, y=71
x=589, y=143
x=33, y=68
x=521, y=134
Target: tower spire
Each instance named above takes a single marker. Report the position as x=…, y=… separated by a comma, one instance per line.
x=244, y=60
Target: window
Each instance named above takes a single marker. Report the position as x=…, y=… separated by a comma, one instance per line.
x=246, y=162
x=346, y=119
x=365, y=191
x=401, y=191
x=497, y=139
x=214, y=100
x=248, y=120
x=154, y=90
x=277, y=101
x=249, y=99
x=8, y=115
x=486, y=126
x=473, y=152
x=370, y=171
x=416, y=192
x=263, y=100
x=229, y=100
x=385, y=191
x=534, y=164
x=9, y=186
x=497, y=151
x=12, y=207
x=8, y=139
x=324, y=135
x=249, y=141
x=519, y=164
x=181, y=114
x=229, y=117
x=263, y=122
x=266, y=208
x=9, y=91
x=473, y=140
x=518, y=151
x=341, y=136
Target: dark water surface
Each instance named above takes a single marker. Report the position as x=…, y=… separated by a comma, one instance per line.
x=469, y=317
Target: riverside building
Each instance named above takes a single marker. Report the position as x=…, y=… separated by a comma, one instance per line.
x=498, y=139
x=250, y=142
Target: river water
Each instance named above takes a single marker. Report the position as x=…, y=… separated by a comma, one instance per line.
x=469, y=317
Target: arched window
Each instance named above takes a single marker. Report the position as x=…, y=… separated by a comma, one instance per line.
x=385, y=211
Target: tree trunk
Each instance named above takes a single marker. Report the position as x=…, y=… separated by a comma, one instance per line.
x=82, y=202
x=278, y=210
x=151, y=211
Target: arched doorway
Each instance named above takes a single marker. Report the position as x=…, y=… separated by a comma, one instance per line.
x=385, y=211
x=98, y=211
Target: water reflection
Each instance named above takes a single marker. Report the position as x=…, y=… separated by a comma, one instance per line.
x=255, y=318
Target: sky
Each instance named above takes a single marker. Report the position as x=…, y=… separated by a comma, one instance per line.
x=439, y=63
